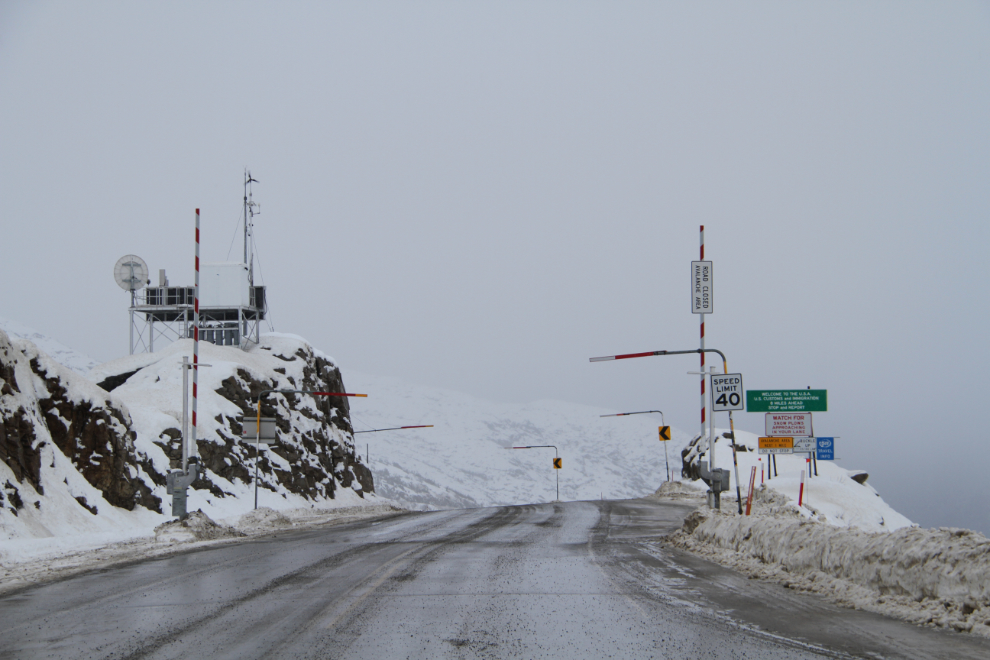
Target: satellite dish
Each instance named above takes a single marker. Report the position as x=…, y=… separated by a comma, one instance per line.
x=130, y=272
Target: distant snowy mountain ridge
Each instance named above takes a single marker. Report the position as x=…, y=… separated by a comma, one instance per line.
x=59, y=352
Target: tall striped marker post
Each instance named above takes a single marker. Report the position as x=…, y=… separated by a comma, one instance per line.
x=704, y=397
x=192, y=435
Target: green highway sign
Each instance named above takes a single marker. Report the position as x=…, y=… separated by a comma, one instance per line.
x=786, y=400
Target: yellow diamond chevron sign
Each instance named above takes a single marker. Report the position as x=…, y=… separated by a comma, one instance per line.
x=556, y=463
x=664, y=433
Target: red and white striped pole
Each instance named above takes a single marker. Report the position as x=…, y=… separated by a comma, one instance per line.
x=704, y=398
x=752, y=485
x=193, y=449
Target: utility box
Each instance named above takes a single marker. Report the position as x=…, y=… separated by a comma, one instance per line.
x=224, y=285
x=717, y=479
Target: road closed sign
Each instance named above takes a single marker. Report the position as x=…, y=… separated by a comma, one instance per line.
x=701, y=287
x=789, y=424
x=727, y=392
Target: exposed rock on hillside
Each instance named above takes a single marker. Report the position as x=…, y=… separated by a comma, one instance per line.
x=44, y=408
x=314, y=454
x=74, y=453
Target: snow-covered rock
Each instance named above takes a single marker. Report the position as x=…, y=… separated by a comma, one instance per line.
x=67, y=462
x=81, y=458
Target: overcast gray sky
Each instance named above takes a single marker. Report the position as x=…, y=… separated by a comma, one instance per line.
x=481, y=196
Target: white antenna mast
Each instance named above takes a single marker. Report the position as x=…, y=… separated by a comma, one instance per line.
x=250, y=211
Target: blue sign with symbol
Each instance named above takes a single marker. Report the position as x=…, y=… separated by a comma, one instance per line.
x=826, y=449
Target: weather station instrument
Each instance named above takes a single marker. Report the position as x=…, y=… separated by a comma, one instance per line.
x=232, y=306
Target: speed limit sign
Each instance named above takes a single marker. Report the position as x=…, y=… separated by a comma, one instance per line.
x=727, y=392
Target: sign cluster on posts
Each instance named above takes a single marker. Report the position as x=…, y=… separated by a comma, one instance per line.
x=788, y=412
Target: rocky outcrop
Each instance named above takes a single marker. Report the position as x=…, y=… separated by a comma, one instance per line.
x=42, y=402
x=314, y=455
x=123, y=444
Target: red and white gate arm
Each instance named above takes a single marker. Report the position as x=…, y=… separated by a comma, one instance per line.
x=397, y=428
x=626, y=356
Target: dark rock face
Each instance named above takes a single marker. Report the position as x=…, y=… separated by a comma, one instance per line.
x=18, y=449
x=318, y=458
x=93, y=433
x=99, y=442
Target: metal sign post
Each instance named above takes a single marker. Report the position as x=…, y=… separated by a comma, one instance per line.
x=556, y=463
x=664, y=432
x=727, y=395
x=177, y=482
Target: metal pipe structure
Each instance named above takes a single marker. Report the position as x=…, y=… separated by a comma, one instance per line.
x=702, y=351
x=257, y=436
x=555, y=454
x=185, y=410
x=650, y=353
x=666, y=463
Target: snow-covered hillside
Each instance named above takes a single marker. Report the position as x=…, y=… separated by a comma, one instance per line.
x=466, y=458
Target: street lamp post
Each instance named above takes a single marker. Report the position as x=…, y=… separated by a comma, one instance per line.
x=555, y=454
x=394, y=428
x=257, y=437
x=666, y=463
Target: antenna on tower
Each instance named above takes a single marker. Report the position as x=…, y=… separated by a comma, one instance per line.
x=251, y=209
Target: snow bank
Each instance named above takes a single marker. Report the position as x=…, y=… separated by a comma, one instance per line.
x=679, y=490
x=31, y=561
x=836, y=497
x=928, y=576
x=197, y=526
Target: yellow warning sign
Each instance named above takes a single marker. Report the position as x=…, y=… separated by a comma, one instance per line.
x=556, y=463
x=664, y=433
x=776, y=445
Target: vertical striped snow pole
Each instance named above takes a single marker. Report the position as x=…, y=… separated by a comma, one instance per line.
x=752, y=486
x=193, y=450
x=801, y=491
x=711, y=452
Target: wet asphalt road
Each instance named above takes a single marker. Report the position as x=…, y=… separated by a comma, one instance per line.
x=566, y=580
